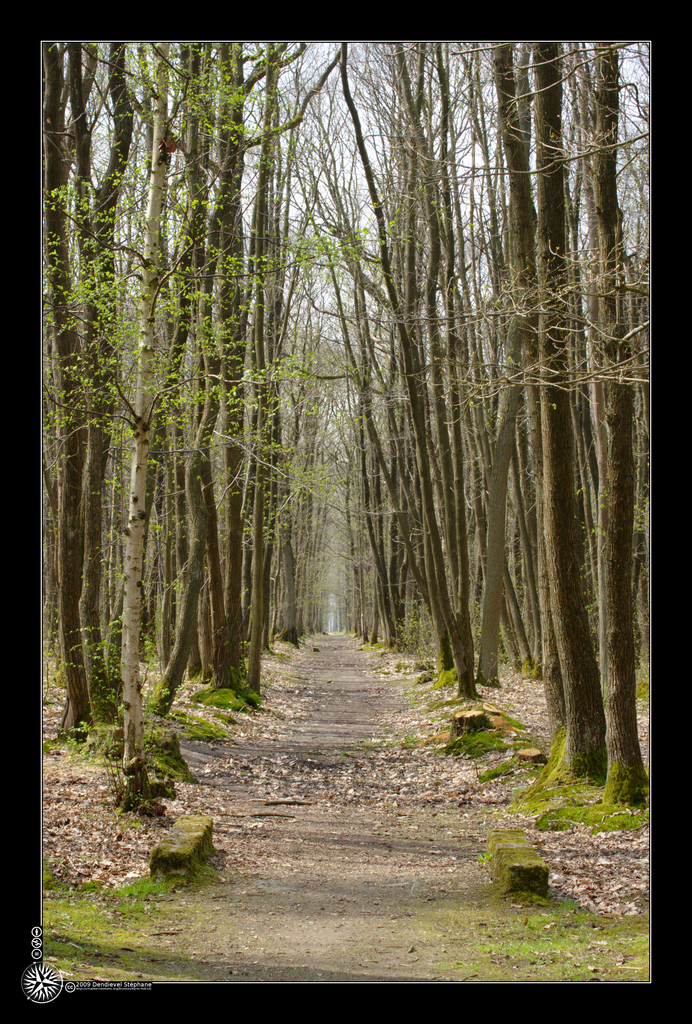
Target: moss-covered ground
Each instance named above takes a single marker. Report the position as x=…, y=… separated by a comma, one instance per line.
x=502, y=940
x=116, y=935
x=143, y=932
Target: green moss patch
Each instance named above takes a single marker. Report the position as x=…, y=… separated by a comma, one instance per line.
x=185, y=848
x=512, y=766
x=514, y=864
x=163, y=752
x=200, y=729
x=492, y=730
x=597, y=818
x=560, y=805
x=227, y=699
x=475, y=744
x=557, y=786
x=560, y=800
x=626, y=785
x=108, y=934
x=447, y=677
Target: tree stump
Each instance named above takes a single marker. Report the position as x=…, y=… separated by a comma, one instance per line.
x=532, y=754
x=471, y=720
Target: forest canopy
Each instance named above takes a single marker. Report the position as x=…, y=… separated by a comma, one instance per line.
x=348, y=337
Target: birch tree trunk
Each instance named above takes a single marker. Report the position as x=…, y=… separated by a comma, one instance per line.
x=96, y=238
x=133, y=760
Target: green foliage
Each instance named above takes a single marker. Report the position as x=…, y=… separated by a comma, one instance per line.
x=416, y=636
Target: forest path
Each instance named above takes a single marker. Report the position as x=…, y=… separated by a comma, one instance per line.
x=350, y=875
x=347, y=850
x=336, y=701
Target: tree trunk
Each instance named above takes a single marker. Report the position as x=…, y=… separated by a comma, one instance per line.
x=77, y=712
x=219, y=632
x=584, y=718
x=142, y=427
x=290, y=631
x=520, y=335
x=627, y=781
x=166, y=688
x=96, y=239
x=263, y=422
x=233, y=315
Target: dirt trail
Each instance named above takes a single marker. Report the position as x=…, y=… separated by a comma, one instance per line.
x=341, y=857
x=338, y=889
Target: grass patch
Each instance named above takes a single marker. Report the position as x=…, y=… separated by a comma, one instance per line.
x=117, y=934
x=513, y=766
x=496, y=939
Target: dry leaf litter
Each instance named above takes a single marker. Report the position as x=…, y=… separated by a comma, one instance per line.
x=86, y=839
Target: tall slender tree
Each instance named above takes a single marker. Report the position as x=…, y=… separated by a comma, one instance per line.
x=344, y=386
x=584, y=726
x=520, y=338
x=627, y=781
x=142, y=413
x=65, y=359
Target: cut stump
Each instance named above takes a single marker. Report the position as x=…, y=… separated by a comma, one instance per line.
x=472, y=720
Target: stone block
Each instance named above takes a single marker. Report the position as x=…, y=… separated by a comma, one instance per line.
x=514, y=864
x=184, y=849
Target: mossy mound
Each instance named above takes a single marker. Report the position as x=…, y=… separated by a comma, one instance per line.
x=163, y=753
x=199, y=729
x=490, y=729
x=579, y=782
x=514, y=865
x=541, y=798
x=185, y=848
x=512, y=766
x=597, y=817
x=475, y=744
x=228, y=699
x=626, y=786
x=559, y=800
